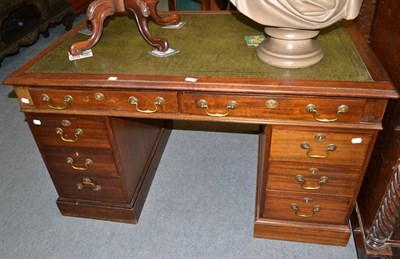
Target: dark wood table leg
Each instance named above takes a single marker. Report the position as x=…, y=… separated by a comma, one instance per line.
x=97, y=12
x=142, y=10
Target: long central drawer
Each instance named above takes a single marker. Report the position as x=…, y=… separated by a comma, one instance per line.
x=273, y=107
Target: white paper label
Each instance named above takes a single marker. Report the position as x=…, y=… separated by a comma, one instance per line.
x=113, y=78
x=37, y=122
x=25, y=100
x=356, y=140
x=191, y=79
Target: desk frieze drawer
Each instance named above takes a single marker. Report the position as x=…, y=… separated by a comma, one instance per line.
x=76, y=161
x=146, y=102
x=307, y=178
x=324, y=110
x=319, y=147
x=306, y=207
x=67, y=131
x=91, y=188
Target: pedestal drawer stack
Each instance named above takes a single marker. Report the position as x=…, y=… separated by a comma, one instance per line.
x=310, y=180
x=91, y=173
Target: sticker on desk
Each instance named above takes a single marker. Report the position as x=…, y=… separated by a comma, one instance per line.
x=25, y=100
x=356, y=140
x=163, y=54
x=37, y=122
x=86, y=31
x=86, y=54
x=175, y=26
x=254, y=40
x=191, y=79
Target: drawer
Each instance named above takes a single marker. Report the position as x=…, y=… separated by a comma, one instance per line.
x=314, y=179
x=319, y=147
x=90, y=188
x=135, y=101
x=90, y=161
x=274, y=107
x=69, y=131
x=306, y=207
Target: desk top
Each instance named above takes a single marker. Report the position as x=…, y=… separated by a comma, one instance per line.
x=209, y=45
x=211, y=48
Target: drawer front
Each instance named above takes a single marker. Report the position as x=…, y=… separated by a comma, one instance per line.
x=319, y=147
x=66, y=131
x=97, y=162
x=89, y=188
x=273, y=107
x=312, y=179
x=306, y=207
x=135, y=101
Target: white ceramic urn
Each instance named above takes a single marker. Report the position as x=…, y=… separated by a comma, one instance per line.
x=292, y=26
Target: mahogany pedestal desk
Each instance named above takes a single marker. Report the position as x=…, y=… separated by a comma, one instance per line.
x=101, y=123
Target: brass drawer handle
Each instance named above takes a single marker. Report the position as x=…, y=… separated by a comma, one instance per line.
x=307, y=146
x=296, y=210
x=87, y=181
x=68, y=100
x=306, y=186
x=231, y=105
x=159, y=101
x=342, y=109
x=78, y=132
x=83, y=167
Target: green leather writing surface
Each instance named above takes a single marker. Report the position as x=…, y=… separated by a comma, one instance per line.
x=209, y=45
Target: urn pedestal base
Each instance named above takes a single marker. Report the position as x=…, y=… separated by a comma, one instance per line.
x=290, y=48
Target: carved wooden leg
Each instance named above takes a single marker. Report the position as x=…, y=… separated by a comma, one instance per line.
x=97, y=12
x=142, y=10
x=169, y=20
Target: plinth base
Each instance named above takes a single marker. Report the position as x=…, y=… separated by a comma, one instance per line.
x=289, y=48
x=336, y=235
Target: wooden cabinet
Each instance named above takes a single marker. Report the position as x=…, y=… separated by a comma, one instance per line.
x=101, y=139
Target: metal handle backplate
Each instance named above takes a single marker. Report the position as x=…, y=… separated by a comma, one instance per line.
x=342, y=109
x=307, y=146
x=83, y=167
x=78, y=132
x=231, y=105
x=68, y=100
x=88, y=182
x=308, y=186
x=159, y=101
x=298, y=213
